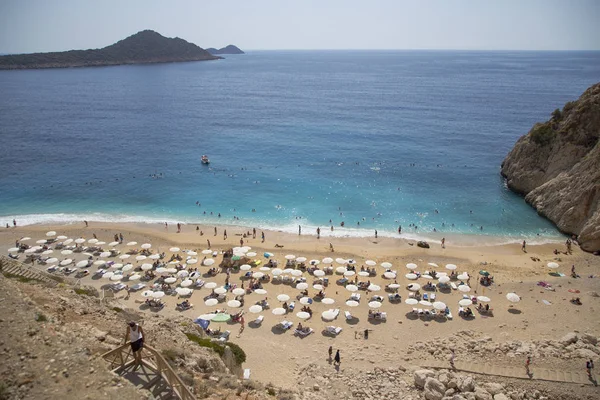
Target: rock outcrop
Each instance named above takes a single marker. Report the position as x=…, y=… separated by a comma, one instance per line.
x=229, y=49
x=557, y=167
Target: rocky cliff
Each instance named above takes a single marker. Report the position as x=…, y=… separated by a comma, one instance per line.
x=556, y=166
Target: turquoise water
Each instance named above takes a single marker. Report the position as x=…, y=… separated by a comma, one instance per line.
x=380, y=138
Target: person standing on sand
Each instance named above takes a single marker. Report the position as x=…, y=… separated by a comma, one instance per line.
x=262, y=234
x=178, y=227
x=86, y=223
x=225, y=234
x=318, y=233
x=527, y=364
x=208, y=241
x=166, y=226
x=331, y=247
x=253, y=233
x=524, y=247
x=399, y=229
x=215, y=231
x=443, y=243
x=121, y=237
x=299, y=230
x=375, y=233
x=337, y=358
x=15, y=223
x=135, y=335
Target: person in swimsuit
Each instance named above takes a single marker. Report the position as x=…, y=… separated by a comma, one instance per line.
x=135, y=335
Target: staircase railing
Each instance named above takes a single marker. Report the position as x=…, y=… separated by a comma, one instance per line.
x=122, y=357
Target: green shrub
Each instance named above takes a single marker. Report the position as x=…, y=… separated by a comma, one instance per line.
x=542, y=134
x=4, y=395
x=86, y=291
x=556, y=115
x=240, y=355
x=117, y=309
x=238, y=352
x=39, y=317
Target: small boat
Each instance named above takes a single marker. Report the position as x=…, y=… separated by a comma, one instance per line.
x=205, y=160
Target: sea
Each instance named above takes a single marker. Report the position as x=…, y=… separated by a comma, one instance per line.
x=371, y=140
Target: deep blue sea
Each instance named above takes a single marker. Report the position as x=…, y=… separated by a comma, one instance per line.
x=375, y=139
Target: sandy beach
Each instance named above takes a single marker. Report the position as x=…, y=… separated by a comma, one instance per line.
x=275, y=356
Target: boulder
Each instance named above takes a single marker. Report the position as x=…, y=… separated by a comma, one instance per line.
x=493, y=388
x=423, y=244
x=500, y=396
x=421, y=375
x=589, y=339
x=482, y=394
x=434, y=389
x=466, y=384
x=569, y=338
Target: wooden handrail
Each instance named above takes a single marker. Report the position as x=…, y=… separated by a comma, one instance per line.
x=122, y=355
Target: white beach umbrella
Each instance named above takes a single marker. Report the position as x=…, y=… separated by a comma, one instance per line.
x=66, y=262
x=426, y=276
x=328, y=300
x=234, y=303
x=116, y=266
x=264, y=269
x=146, y=246
x=208, y=262
x=340, y=270
x=301, y=259
x=276, y=271
x=205, y=252
x=220, y=290
x=208, y=317
x=100, y=243
x=140, y=258
x=45, y=252
x=105, y=254
x=283, y=297
x=349, y=273
x=386, y=265
x=108, y=275
x=99, y=262
x=438, y=305
x=389, y=275
x=93, y=241
x=192, y=253
x=373, y=288
x=170, y=280
x=182, y=274
x=374, y=304
x=124, y=256
x=444, y=279
x=483, y=299
x=183, y=291
x=113, y=244
x=412, y=266
x=174, y=249
x=134, y=277
x=290, y=257
x=255, y=309
x=66, y=252
x=464, y=288
x=451, y=267
x=50, y=233
x=411, y=302
x=211, y=302
x=302, y=286
x=341, y=260
x=363, y=273
x=146, y=267
x=287, y=271
x=463, y=276
x=305, y=300
x=187, y=283
x=433, y=265
x=425, y=303
x=315, y=262
x=351, y=288
x=245, y=267
x=327, y=260
x=33, y=250
x=127, y=267
x=116, y=277
x=370, y=263
x=82, y=264
x=258, y=275
x=328, y=315
x=61, y=237
x=131, y=243
x=296, y=272
x=154, y=256
x=278, y=311
x=303, y=315
x=161, y=270
x=465, y=302
x=13, y=249
x=147, y=293
x=394, y=286
x=66, y=242
x=158, y=295
x=352, y=303
x=238, y=291
x=319, y=273
x=413, y=287
x=80, y=240
x=251, y=254
x=553, y=265
x=260, y=291
x=24, y=238
x=318, y=287
x=411, y=276
x=210, y=285
x=513, y=297
x=192, y=261
x=51, y=260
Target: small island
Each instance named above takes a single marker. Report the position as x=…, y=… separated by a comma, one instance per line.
x=230, y=49
x=144, y=47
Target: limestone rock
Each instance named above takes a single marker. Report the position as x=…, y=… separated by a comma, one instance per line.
x=557, y=167
x=569, y=338
x=500, y=396
x=421, y=375
x=493, y=388
x=482, y=394
x=467, y=384
x=434, y=389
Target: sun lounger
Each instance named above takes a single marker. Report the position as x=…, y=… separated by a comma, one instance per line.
x=432, y=297
x=138, y=286
x=246, y=373
x=379, y=316
x=348, y=315
x=118, y=287
x=449, y=315
x=285, y=325
x=425, y=296
x=355, y=296
x=303, y=333
x=453, y=286
x=333, y=330
x=335, y=311
x=259, y=320
x=224, y=337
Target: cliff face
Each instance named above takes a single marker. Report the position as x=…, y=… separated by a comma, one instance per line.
x=557, y=167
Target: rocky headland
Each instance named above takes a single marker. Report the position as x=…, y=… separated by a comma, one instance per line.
x=556, y=166
x=144, y=47
x=230, y=49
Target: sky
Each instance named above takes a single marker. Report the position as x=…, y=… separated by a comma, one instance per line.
x=57, y=25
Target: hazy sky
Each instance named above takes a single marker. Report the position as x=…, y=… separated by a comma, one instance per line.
x=56, y=25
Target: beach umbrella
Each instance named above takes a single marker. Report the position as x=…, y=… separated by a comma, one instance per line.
x=260, y=291
x=124, y=256
x=411, y=302
x=283, y=297
x=52, y=260
x=413, y=287
x=319, y=273
x=296, y=272
x=105, y=254
x=438, y=305
x=255, y=309
x=134, y=277
x=303, y=315
x=82, y=264
x=340, y=270
x=187, y=283
x=238, y=291
x=192, y=261
x=426, y=276
x=146, y=246
x=444, y=279
x=182, y=274
x=65, y=252
x=140, y=258
x=302, y=286
x=328, y=315
x=342, y=261
x=131, y=243
x=245, y=267
x=412, y=277
x=113, y=244
x=146, y=293
x=433, y=265
x=170, y=280
x=30, y=250
x=61, y=237
x=66, y=242
x=174, y=249
x=100, y=243
x=258, y=275
x=374, y=304
x=220, y=290
x=183, y=291
x=154, y=256
x=328, y=300
x=45, y=252
x=465, y=302
x=127, y=267
x=279, y=311
x=483, y=299
x=234, y=303
x=251, y=254
x=386, y=265
x=484, y=272
x=374, y=288
x=451, y=267
x=327, y=260
x=412, y=266
x=211, y=302
x=363, y=273
x=425, y=303
x=349, y=273
x=50, y=233
x=306, y=300
x=99, y=262
x=513, y=297
x=553, y=265
x=146, y=267
x=208, y=262
x=93, y=241
x=315, y=262
x=276, y=271
x=287, y=271
x=24, y=238
x=13, y=249
x=352, y=303
x=463, y=276
x=318, y=287
x=80, y=240
x=207, y=317
x=301, y=259
x=394, y=286
x=192, y=253
x=116, y=277
x=290, y=257
x=116, y=266
x=207, y=252
x=351, y=288
x=389, y=275
x=66, y=262
x=210, y=285
x=464, y=288
x=370, y=263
